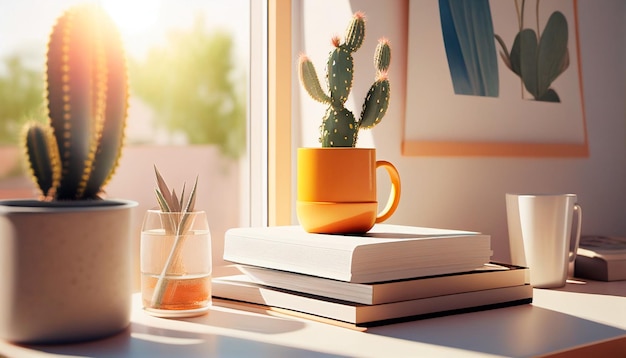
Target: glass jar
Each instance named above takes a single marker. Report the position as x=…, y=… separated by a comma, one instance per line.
x=175, y=264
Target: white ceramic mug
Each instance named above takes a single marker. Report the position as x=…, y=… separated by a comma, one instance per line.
x=540, y=228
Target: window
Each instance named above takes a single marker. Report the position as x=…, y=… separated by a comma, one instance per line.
x=191, y=85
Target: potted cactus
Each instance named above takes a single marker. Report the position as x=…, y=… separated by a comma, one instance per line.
x=65, y=259
x=339, y=126
x=323, y=205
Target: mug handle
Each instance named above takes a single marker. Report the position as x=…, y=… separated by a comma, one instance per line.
x=579, y=210
x=394, y=195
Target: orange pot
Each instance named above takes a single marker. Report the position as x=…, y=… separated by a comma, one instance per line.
x=337, y=190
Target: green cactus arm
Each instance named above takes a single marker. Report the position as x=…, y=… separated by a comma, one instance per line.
x=87, y=99
x=310, y=81
x=107, y=152
x=382, y=56
x=339, y=128
x=69, y=98
x=376, y=104
x=355, y=33
x=42, y=157
x=340, y=74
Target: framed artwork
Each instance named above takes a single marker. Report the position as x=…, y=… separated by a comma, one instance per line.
x=494, y=78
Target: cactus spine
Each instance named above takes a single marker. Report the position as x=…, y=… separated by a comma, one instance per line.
x=339, y=127
x=76, y=154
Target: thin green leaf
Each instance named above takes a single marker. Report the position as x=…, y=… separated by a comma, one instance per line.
x=185, y=222
x=175, y=203
x=182, y=197
x=165, y=191
x=184, y=225
x=162, y=202
x=504, y=52
x=191, y=203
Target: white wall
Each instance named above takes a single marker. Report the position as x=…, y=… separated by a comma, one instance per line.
x=468, y=192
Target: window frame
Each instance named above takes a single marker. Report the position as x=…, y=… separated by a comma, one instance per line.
x=277, y=92
x=255, y=197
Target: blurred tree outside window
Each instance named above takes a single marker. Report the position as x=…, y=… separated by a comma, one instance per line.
x=194, y=88
x=187, y=64
x=21, y=97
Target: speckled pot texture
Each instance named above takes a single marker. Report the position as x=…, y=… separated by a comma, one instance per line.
x=65, y=270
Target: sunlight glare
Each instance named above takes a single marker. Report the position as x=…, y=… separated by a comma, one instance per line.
x=133, y=17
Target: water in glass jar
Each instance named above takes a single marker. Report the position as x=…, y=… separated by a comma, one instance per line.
x=186, y=292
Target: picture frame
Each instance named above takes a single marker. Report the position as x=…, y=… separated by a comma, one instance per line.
x=511, y=120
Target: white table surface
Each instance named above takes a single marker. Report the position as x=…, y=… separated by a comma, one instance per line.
x=559, y=319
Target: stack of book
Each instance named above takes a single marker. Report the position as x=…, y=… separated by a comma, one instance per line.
x=391, y=273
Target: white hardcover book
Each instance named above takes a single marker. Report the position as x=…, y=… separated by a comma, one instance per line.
x=491, y=275
x=241, y=288
x=387, y=252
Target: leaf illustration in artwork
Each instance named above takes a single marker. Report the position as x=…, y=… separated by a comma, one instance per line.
x=471, y=52
x=553, y=56
x=539, y=62
x=525, y=51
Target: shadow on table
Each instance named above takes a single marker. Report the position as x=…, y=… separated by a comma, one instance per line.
x=146, y=341
x=519, y=331
x=206, y=336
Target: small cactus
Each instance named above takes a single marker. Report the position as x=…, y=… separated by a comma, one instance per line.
x=76, y=153
x=339, y=127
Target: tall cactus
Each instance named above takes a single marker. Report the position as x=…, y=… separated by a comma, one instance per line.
x=76, y=154
x=339, y=127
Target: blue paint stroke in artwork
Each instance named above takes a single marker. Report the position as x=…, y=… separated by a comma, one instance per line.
x=467, y=30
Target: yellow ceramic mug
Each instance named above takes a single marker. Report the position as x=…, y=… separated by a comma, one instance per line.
x=337, y=190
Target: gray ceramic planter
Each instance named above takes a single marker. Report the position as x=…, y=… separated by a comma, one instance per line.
x=65, y=270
